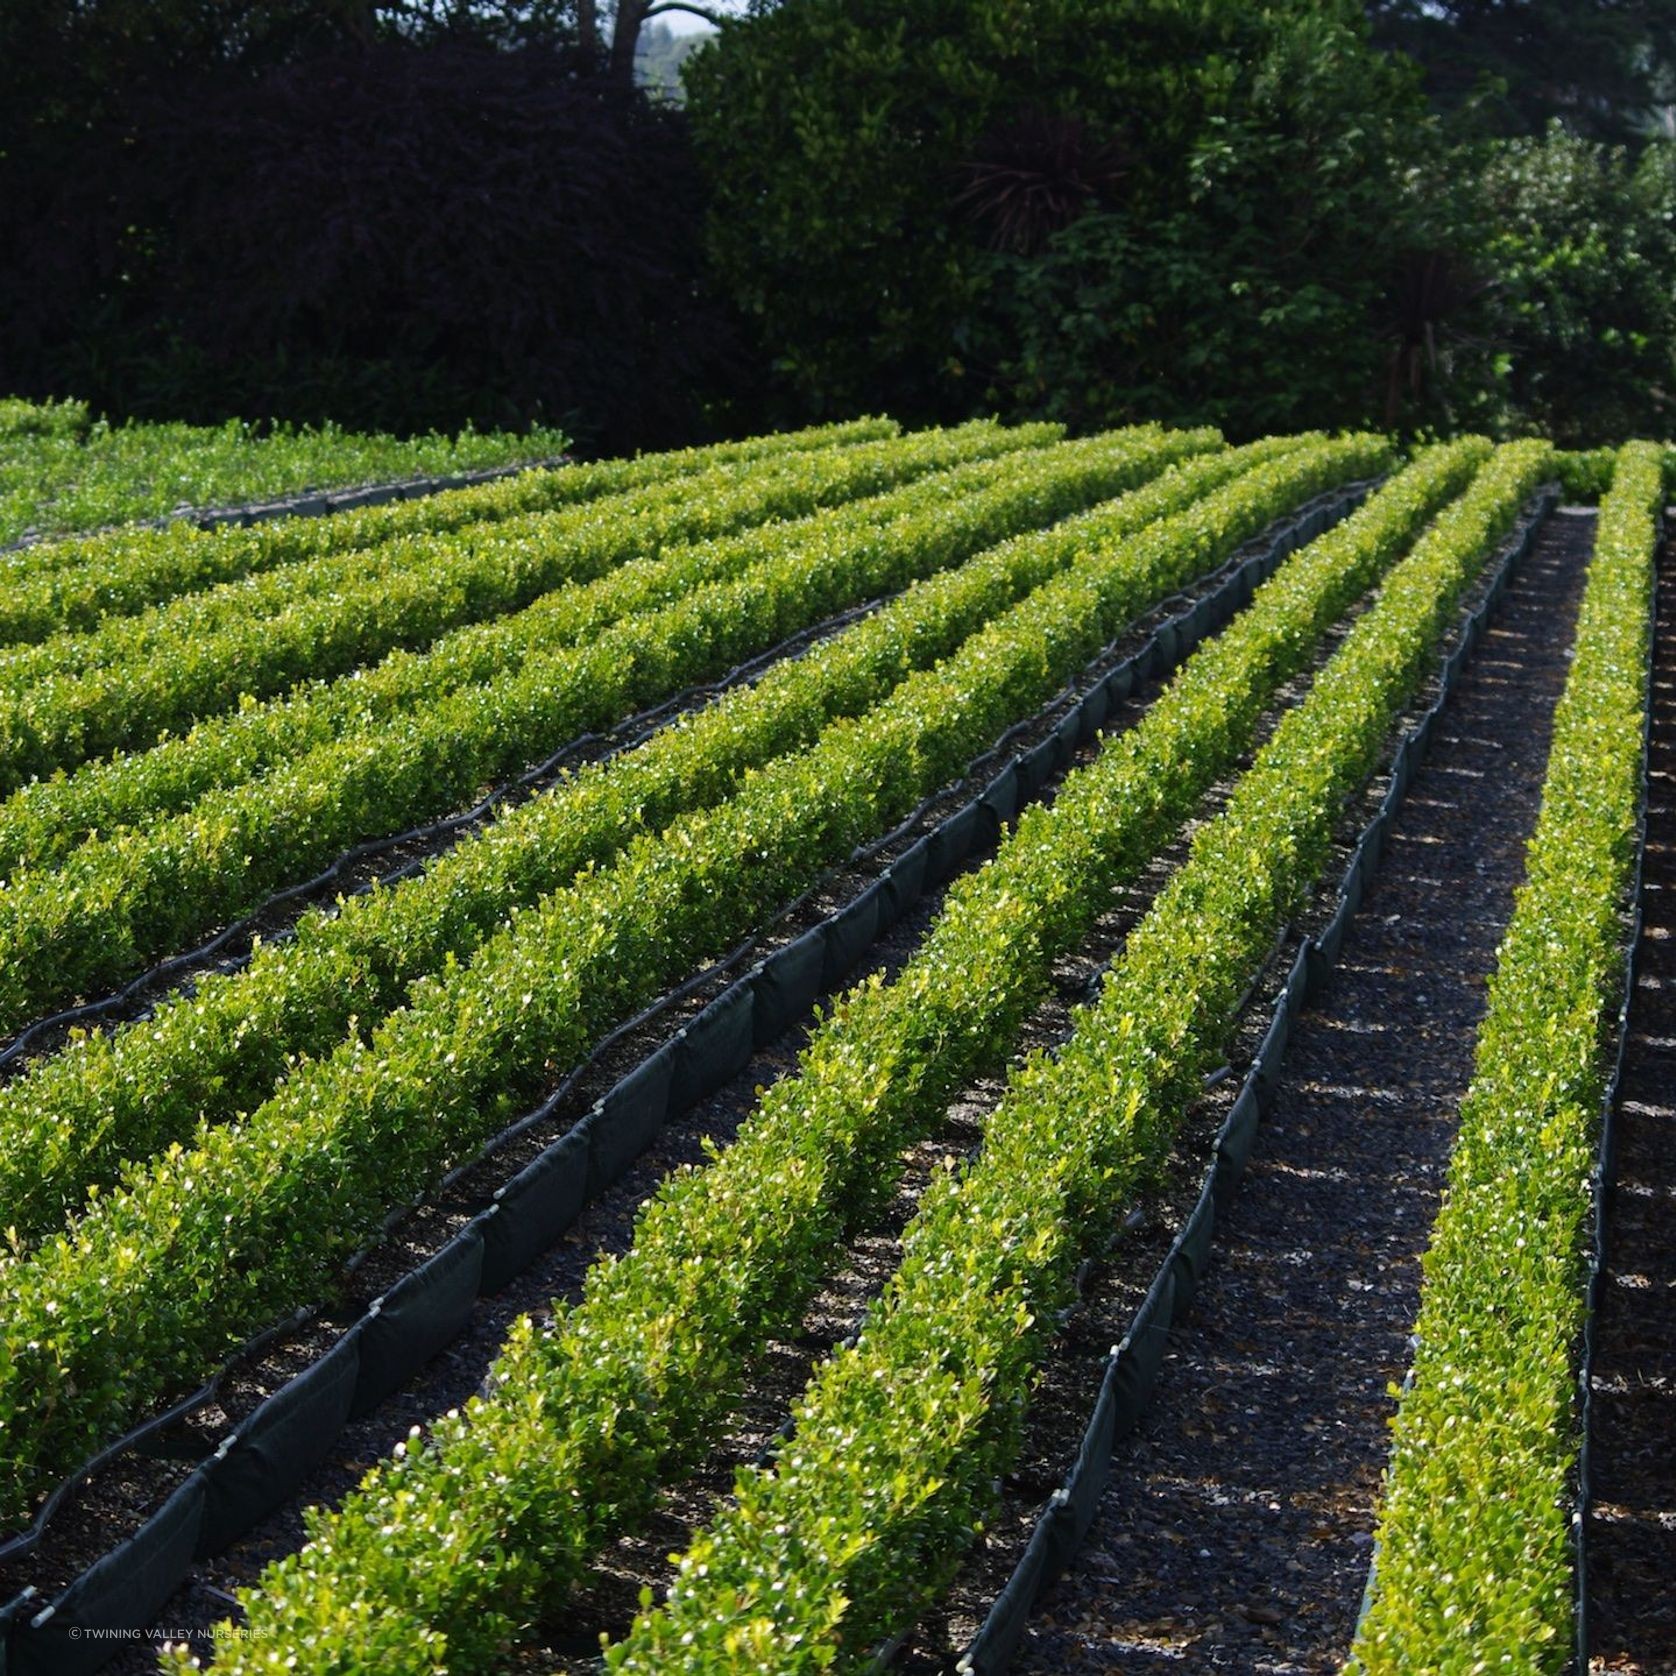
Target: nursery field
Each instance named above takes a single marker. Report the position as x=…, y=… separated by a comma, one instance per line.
x=857, y=1050
x=62, y=472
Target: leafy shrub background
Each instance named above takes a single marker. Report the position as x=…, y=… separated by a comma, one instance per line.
x=1579, y=339
x=413, y=214
x=1287, y=234
x=1223, y=271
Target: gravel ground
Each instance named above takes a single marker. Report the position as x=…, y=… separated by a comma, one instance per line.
x=1235, y=1534
x=1631, y=1537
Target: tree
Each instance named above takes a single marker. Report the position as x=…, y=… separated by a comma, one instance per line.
x=629, y=17
x=1519, y=63
x=1210, y=183
x=1580, y=328
x=659, y=62
x=443, y=217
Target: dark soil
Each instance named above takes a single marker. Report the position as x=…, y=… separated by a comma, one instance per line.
x=1236, y=1531
x=1631, y=1533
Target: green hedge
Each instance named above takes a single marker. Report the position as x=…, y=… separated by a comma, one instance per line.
x=45, y=819
x=891, y=1467
x=73, y=1119
x=217, y=1238
x=75, y=582
x=1586, y=474
x=20, y=418
x=120, y=903
x=442, y=1553
x=123, y=684
x=59, y=472
x=1474, y=1543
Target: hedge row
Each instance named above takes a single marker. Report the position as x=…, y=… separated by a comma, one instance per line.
x=122, y=685
x=75, y=584
x=120, y=903
x=440, y=1556
x=65, y=419
x=72, y=1120
x=44, y=820
x=897, y=1445
x=1474, y=1567
x=193, y=1252
x=250, y=599
x=1587, y=474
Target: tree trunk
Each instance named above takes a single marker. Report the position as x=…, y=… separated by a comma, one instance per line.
x=587, y=29
x=625, y=37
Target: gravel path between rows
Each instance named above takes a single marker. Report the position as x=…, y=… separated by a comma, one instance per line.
x=1235, y=1533
x=1631, y=1536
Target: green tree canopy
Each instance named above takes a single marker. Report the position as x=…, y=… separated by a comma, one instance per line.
x=1598, y=65
x=1579, y=327
x=1090, y=206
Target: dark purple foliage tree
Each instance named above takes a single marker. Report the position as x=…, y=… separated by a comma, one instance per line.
x=400, y=231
